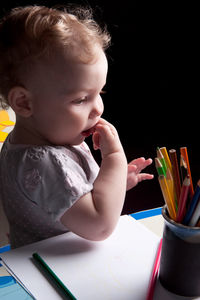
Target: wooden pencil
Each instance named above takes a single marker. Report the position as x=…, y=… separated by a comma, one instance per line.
x=175, y=173
x=161, y=158
x=183, y=199
x=154, y=274
x=43, y=265
x=167, y=197
x=166, y=157
x=183, y=168
x=193, y=204
x=184, y=154
x=159, y=167
x=170, y=184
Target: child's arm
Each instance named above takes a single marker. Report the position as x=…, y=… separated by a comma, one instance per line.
x=94, y=216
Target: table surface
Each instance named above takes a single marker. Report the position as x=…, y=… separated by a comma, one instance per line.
x=152, y=219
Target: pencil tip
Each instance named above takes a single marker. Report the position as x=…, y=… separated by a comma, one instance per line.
x=187, y=180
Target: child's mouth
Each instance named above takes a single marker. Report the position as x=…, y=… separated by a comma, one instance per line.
x=88, y=132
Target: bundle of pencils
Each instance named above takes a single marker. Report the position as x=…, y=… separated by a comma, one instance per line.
x=183, y=203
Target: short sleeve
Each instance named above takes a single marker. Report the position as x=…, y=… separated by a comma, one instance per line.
x=52, y=180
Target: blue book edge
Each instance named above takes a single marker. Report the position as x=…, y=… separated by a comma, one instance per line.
x=147, y=213
x=4, y=248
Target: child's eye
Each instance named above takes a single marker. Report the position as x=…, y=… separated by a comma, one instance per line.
x=80, y=101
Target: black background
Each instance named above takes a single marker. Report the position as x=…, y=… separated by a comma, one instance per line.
x=153, y=81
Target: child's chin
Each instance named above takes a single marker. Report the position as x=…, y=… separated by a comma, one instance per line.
x=78, y=141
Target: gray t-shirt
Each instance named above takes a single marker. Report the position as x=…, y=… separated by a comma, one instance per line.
x=39, y=183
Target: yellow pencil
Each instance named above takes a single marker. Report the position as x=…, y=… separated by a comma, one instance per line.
x=170, y=184
x=167, y=197
x=166, y=157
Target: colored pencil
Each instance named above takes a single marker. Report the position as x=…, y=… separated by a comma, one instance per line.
x=193, y=204
x=159, y=167
x=53, y=276
x=194, y=221
x=166, y=157
x=161, y=158
x=167, y=197
x=183, y=199
x=154, y=274
x=175, y=173
x=183, y=168
x=184, y=154
x=170, y=183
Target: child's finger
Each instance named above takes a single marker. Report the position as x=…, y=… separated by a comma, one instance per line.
x=141, y=163
x=132, y=168
x=95, y=139
x=105, y=132
x=144, y=176
x=106, y=138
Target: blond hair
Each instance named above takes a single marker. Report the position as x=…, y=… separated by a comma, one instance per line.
x=28, y=34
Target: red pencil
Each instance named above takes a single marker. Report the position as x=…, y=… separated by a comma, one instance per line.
x=183, y=199
x=154, y=274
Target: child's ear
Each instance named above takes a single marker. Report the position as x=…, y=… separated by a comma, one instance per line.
x=19, y=99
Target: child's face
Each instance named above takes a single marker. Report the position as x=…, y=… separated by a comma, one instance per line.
x=66, y=99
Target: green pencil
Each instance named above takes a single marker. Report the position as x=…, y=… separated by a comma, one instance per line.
x=53, y=276
x=159, y=167
x=161, y=158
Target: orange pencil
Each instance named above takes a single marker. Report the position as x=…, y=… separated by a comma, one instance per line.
x=175, y=173
x=184, y=154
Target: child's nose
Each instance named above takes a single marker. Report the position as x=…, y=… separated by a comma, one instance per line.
x=97, y=109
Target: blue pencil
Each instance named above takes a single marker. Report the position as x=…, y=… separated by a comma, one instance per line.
x=192, y=205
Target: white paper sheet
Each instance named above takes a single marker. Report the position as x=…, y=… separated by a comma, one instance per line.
x=115, y=269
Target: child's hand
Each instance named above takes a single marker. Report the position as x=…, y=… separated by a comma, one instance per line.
x=106, y=138
x=134, y=169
